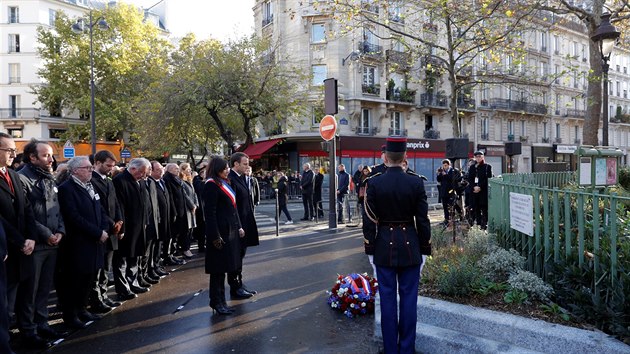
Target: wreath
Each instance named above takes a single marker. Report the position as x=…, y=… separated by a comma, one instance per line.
x=353, y=294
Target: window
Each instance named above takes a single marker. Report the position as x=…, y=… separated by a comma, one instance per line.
x=14, y=14
x=484, y=128
x=575, y=49
x=510, y=128
x=558, y=130
x=394, y=12
x=14, y=73
x=398, y=46
x=557, y=104
x=14, y=102
x=52, y=16
x=545, y=130
x=428, y=122
x=618, y=88
x=543, y=42
x=317, y=113
x=396, y=124
x=577, y=132
x=556, y=44
x=370, y=42
x=16, y=133
x=14, y=43
x=318, y=34
x=364, y=122
x=320, y=73
x=370, y=77
x=523, y=128
x=583, y=52
x=267, y=12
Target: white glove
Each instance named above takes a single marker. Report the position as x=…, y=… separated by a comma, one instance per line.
x=371, y=259
x=424, y=260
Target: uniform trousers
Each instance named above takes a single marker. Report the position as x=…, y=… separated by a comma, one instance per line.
x=398, y=322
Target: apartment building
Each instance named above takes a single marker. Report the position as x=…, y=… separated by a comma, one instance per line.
x=382, y=94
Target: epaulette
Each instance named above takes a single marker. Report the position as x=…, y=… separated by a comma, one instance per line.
x=410, y=172
x=374, y=175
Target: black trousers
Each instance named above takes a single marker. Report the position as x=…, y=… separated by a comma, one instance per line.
x=307, y=201
x=217, y=289
x=235, y=279
x=79, y=285
x=4, y=312
x=481, y=211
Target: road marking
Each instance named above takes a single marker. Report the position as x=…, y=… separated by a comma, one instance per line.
x=180, y=307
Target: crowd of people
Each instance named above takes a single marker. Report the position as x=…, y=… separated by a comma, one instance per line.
x=76, y=227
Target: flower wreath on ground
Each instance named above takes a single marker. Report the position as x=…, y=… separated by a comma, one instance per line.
x=353, y=294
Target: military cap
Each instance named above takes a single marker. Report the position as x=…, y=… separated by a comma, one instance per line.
x=396, y=144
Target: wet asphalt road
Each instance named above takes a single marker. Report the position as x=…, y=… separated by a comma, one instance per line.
x=289, y=314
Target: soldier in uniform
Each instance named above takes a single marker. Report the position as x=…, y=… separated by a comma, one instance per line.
x=397, y=235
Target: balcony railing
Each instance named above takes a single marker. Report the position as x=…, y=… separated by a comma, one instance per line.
x=397, y=132
x=267, y=20
x=365, y=130
x=399, y=58
x=518, y=106
x=485, y=136
x=571, y=112
x=10, y=113
x=374, y=89
x=510, y=137
x=557, y=140
x=433, y=100
x=370, y=49
x=466, y=103
x=14, y=79
x=484, y=103
x=401, y=95
x=545, y=140
x=431, y=134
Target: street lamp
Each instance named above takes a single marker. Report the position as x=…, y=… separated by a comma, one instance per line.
x=80, y=27
x=605, y=36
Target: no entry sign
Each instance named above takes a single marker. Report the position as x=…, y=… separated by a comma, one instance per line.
x=328, y=127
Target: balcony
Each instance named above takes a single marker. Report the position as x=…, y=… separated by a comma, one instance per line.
x=466, y=103
x=397, y=132
x=517, y=106
x=267, y=20
x=510, y=137
x=485, y=136
x=433, y=100
x=374, y=89
x=523, y=138
x=14, y=79
x=557, y=140
x=399, y=58
x=371, y=49
x=571, y=112
x=401, y=95
x=431, y=134
x=545, y=140
x=484, y=103
x=369, y=131
x=20, y=113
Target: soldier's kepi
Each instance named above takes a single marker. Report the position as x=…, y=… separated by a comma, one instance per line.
x=397, y=234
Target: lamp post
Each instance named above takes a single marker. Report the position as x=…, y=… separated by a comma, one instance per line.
x=605, y=36
x=79, y=27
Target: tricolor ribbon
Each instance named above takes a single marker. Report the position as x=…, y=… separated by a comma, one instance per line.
x=226, y=189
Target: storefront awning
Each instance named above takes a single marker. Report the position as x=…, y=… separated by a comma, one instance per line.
x=255, y=151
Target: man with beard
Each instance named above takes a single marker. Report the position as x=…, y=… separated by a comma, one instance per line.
x=239, y=163
x=104, y=162
x=41, y=191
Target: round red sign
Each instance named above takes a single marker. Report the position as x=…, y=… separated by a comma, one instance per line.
x=328, y=127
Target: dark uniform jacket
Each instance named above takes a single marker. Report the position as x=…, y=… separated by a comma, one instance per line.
x=41, y=191
x=396, y=223
x=222, y=220
x=17, y=219
x=133, y=203
x=245, y=207
x=480, y=172
x=109, y=202
x=85, y=222
x=307, y=182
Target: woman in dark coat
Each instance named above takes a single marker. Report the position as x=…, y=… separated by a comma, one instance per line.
x=282, y=197
x=223, y=229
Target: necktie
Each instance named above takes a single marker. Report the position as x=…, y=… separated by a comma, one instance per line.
x=5, y=175
x=161, y=184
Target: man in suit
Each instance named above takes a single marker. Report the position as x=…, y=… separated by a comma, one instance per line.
x=306, y=185
x=239, y=162
x=343, y=179
x=448, y=177
x=166, y=213
x=131, y=193
x=396, y=211
x=83, y=249
x=4, y=313
x=41, y=191
x=252, y=184
x=104, y=162
x=147, y=264
x=478, y=176
x=17, y=220
x=176, y=190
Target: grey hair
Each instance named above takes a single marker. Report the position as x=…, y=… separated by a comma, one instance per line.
x=169, y=165
x=76, y=162
x=307, y=165
x=138, y=163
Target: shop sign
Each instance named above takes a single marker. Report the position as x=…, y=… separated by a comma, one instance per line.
x=566, y=149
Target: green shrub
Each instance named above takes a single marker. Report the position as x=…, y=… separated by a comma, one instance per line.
x=515, y=296
x=478, y=243
x=500, y=263
x=440, y=239
x=459, y=279
x=530, y=283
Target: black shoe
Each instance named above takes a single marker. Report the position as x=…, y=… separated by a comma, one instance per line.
x=253, y=292
x=177, y=261
x=100, y=307
x=151, y=280
x=231, y=309
x=340, y=222
x=34, y=341
x=87, y=316
x=74, y=323
x=111, y=303
x=143, y=283
x=305, y=219
x=138, y=289
x=49, y=333
x=161, y=272
x=221, y=310
x=241, y=294
x=125, y=297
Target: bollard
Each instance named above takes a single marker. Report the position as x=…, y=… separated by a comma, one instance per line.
x=277, y=214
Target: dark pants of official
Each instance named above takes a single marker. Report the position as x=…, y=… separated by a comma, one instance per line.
x=157, y=253
x=21, y=299
x=340, y=201
x=98, y=294
x=307, y=201
x=283, y=209
x=146, y=262
x=235, y=279
x=4, y=311
x=217, y=289
x=481, y=211
x=78, y=285
x=398, y=323
x=45, y=262
x=125, y=273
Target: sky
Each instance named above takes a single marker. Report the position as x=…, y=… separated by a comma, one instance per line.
x=219, y=19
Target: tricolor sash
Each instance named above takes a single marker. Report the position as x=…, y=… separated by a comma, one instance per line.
x=226, y=189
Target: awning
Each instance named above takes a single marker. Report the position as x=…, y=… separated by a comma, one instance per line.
x=255, y=151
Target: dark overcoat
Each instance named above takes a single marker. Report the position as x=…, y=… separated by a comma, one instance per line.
x=221, y=221
x=478, y=176
x=245, y=207
x=154, y=210
x=133, y=203
x=109, y=202
x=307, y=182
x=85, y=221
x=165, y=207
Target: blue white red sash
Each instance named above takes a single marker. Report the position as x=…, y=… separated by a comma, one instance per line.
x=226, y=189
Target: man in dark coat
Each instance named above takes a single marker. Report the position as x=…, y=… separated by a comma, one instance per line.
x=176, y=190
x=167, y=215
x=306, y=185
x=104, y=162
x=83, y=248
x=397, y=237
x=147, y=264
x=41, y=190
x=199, y=232
x=343, y=179
x=318, y=182
x=478, y=176
x=17, y=217
x=239, y=162
x=131, y=193
x=448, y=178
x=4, y=313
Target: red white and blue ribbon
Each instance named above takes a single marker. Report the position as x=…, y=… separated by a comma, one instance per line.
x=226, y=189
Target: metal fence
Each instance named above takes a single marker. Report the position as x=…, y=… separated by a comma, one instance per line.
x=571, y=225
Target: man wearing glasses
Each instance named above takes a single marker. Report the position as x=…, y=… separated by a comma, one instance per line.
x=17, y=217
